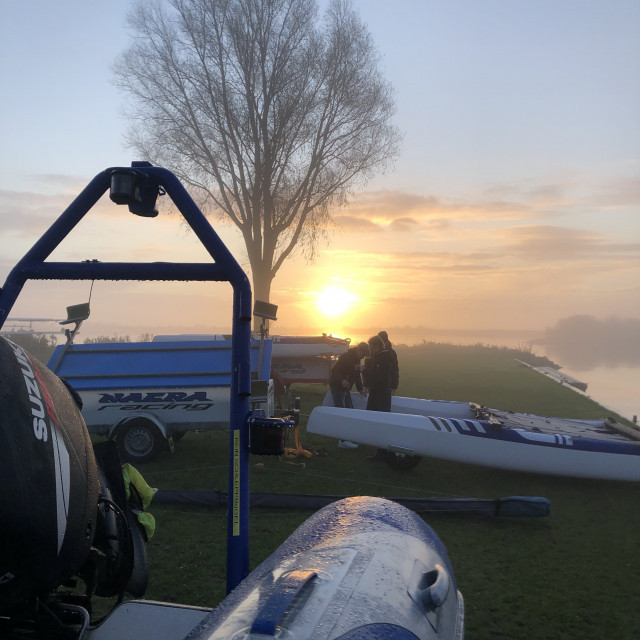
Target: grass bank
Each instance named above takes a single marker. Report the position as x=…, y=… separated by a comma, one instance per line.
x=571, y=575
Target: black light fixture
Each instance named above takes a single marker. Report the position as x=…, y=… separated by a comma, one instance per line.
x=135, y=189
x=265, y=310
x=124, y=187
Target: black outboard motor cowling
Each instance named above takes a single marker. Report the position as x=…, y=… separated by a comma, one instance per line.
x=48, y=480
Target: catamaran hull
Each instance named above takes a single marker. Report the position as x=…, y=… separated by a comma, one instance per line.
x=482, y=442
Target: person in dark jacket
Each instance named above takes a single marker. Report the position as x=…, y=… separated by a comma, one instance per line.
x=395, y=369
x=377, y=374
x=345, y=373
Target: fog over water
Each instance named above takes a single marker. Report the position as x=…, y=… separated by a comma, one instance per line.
x=605, y=353
x=613, y=387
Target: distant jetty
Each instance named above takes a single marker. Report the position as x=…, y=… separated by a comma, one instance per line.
x=558, y=376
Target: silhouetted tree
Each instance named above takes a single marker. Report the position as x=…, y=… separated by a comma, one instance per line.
x=270, y=114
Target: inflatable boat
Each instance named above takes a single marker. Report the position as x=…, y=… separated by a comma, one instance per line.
x=466, y=432
x=359, y=568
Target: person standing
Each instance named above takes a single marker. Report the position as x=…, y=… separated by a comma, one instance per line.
x=346, y=372
x=395, y=369
x=377, y=375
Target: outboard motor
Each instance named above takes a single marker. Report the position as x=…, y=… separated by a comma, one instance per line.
x=59, y=515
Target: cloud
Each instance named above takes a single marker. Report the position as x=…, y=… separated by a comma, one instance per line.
x=403, y=272
x=29, y=213
x=619, y=192
x=388, y=205
x=404, y=225
x=546, y=192
x=439, y=261
x=381, y=209
x=545, y=242
x=354, y=223
x=570, y=194
x=58, y=182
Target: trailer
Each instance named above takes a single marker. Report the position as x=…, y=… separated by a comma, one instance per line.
x=294, y=359
x=305, y=359
x=147, y=395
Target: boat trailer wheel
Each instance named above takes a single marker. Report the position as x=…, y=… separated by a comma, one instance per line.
x=138, y=441
x=401, y=461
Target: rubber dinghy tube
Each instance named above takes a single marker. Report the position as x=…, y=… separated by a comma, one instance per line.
x=362, y=568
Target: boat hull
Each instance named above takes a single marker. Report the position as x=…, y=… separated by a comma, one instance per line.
x=488, y=443
x=360, y=568
x=308, y=346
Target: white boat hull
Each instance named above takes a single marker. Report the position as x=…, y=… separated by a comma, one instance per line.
x=570, y=450
x=308, y=346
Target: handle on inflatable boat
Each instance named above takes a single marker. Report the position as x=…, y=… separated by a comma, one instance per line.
x=436, y=593
x=284, y=591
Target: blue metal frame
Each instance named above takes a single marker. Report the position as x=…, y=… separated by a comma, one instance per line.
x=224, y=269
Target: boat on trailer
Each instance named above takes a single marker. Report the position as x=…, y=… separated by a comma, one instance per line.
x=325, y=345
x=474, y=434
x=301, y=359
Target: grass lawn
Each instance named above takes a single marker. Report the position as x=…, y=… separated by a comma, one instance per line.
x=575, y=574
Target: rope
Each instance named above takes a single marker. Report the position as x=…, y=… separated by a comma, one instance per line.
x=298, y=451
x=280, y=470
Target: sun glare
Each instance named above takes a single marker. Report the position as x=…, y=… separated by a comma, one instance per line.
x=334, y=301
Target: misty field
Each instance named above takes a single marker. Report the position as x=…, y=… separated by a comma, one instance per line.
x=568, y=576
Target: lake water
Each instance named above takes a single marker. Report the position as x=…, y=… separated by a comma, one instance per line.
x=614, y=387
x=617, y=388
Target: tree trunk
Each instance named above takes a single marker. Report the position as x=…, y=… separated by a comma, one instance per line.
x=261, y=290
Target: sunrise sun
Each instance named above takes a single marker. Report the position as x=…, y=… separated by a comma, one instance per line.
x=334, y=301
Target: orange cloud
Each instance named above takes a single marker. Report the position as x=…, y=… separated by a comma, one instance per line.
x=544, y=242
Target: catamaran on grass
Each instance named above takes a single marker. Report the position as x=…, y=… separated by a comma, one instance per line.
x=474, y=434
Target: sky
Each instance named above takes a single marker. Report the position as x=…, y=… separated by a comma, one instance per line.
x=515, y=201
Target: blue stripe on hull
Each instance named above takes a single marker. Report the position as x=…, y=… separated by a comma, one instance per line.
x=487, y=430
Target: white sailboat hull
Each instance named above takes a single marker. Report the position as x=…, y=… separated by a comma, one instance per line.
x=566, y=447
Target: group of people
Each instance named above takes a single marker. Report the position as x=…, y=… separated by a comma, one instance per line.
x=377, y=378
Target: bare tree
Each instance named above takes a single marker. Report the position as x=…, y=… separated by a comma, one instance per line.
x=272, y=114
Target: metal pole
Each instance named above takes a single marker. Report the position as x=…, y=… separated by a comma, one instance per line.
x=238, y=465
